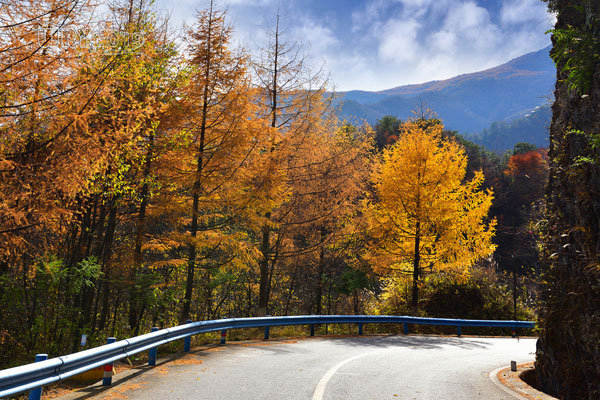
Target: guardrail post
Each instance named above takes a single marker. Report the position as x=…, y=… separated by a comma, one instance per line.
x=312, y=329
x=514, y=332
x=223, y=336
x=152, y=351
x=360, y=325
x=458, y=330
x=108, y=368
x=187, y=342
x=267, y=333
x=36, y=394
x=405, y=328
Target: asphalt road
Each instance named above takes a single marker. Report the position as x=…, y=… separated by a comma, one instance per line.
x=368, y=367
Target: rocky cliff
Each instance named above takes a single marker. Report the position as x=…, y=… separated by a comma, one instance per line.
x=568, y=355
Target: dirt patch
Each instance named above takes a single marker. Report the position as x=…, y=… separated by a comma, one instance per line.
x=267, y=343
x=65, y=388
x=186, y=361
x=118, y=392
x=214, y=349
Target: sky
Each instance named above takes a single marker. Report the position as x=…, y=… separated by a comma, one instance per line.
x=380, y=44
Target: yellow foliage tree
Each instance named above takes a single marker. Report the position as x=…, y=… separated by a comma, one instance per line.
x=423, y=216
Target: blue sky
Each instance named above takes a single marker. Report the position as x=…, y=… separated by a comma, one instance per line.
x=380, y=44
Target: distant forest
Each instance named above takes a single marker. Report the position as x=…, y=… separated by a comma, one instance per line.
x=532, y=128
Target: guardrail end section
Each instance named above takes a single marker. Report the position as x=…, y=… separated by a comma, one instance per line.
x=108, y=368
x=36, y=394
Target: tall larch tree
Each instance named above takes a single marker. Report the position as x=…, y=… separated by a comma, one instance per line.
x=224, y=132
x=423, y=216
x=292, y=98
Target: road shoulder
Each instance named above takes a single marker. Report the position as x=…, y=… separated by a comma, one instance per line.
x=512, y=383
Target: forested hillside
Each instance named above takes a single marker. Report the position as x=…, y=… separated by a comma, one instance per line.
x=533, y=128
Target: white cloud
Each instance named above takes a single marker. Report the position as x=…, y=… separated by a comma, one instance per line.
x=399, y=40
x=417, y=8
x=371, y=14
x=520, y=11
x=320, y=39
x=445, y=38
x=349, y=71
x=472, y=27
x=467, y=15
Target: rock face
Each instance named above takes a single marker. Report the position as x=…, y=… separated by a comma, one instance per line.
x=568, y=354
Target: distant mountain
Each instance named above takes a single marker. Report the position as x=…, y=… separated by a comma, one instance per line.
x=467, y=103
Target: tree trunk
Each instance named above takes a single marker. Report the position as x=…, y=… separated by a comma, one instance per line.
x=319, y=291
x=135, y=294
x=263, y=294
x=189, y=286
x=416, y=272
x=265, y=248
x=107, y=252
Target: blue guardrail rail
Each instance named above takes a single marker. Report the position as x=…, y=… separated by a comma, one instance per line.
x=32, y=377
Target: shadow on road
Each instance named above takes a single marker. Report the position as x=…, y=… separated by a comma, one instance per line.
x=121, y=381
x=420, y=342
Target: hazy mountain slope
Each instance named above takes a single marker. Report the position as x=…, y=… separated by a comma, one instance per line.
x=503, y=135
x=467, y=103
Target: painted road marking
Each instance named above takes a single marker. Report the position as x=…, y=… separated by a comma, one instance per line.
x=320, y=389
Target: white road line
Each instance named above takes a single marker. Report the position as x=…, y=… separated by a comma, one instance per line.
x=320, y=389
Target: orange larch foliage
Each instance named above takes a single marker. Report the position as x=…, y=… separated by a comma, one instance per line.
x=528, y=164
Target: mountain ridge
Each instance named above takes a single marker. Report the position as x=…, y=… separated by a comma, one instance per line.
x=467, y=103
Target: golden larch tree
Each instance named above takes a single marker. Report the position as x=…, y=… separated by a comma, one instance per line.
x=423, y=216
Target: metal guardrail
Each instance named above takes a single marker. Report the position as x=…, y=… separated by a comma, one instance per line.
x=38, y=374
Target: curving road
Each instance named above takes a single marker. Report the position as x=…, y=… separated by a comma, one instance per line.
x=368, y=367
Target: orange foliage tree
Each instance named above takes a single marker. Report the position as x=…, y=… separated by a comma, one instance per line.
x=44, y=105
x=222, y=136
x=529, y=172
